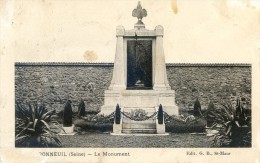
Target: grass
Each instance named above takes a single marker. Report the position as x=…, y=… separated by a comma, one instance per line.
x=96, y=134
x=105, y=140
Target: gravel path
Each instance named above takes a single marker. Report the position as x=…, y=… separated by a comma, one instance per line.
x=105, y=140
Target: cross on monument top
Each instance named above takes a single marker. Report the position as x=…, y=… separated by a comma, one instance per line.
x=139, y=12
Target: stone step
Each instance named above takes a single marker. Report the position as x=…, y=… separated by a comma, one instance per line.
x=139, y=126
x=147, y=111
x=139, y=131
x=126, y=120
x=145, y=108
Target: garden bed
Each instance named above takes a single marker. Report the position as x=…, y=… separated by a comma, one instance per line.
x=83, y=125
x=178, y=126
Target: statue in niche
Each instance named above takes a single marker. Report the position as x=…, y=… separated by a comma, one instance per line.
x=139, y=66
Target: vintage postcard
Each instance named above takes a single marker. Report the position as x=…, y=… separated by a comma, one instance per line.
x=129, y=81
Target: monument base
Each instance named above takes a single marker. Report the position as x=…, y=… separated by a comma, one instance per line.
x=140, y=99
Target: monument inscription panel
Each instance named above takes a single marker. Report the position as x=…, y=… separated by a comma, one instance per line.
x=139, y=64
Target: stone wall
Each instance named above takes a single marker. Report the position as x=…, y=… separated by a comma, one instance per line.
x=218, y=83
x=54, y=83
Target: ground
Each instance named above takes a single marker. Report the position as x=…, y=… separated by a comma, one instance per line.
x=105, y=140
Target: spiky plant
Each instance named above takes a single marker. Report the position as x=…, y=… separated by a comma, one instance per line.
x=67, y=114
x=234, y=126
x=160, y=114
x=117, y=115
x=240, y=113
x=81, y=109
x=211, y=108
x=34, y=128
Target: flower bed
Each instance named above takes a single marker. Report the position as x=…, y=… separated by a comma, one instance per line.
x=83, y=125
x=95, y=122
x=187, y=125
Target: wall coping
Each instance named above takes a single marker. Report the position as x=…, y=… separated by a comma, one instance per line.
x=105, y=64
x=208, y=65
x=109, y=64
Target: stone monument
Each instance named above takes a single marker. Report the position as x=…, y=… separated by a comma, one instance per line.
x=139, y=76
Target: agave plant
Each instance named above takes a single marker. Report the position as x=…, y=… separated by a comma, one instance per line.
x=34, y=127
x=233, y=125
x=211, y=108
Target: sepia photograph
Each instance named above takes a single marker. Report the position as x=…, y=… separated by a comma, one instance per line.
x=94, y=81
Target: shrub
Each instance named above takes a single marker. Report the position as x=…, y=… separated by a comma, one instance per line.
x=235, y=126
x=67, y=114
x=197, y=108
x=92, y=112
x=160, y=115
x=81, y=109
x=118, y=115
x=34, y=128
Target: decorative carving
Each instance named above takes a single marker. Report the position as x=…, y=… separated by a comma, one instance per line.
x=137, y=114
x=139, y=12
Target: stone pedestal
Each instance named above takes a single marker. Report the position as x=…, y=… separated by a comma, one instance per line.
x=160, y=128
x=140, y=99
x=117, y=128
x=68, y=130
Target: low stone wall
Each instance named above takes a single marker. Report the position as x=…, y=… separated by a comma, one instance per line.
x=54, y=83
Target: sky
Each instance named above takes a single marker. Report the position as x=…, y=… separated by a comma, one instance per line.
x=201, y=31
